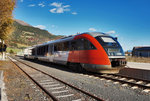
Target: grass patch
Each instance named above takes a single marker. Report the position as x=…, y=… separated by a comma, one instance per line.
x=15, y=50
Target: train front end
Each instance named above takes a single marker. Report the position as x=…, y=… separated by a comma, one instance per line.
x=114, y=51
x=108, y=57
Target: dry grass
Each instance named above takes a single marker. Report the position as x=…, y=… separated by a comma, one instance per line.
x=138, y=59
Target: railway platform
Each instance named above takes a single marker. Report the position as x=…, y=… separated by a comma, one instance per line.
x=137, y=70
x=137, y=65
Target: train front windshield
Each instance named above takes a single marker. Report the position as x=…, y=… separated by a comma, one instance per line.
x=111, y=45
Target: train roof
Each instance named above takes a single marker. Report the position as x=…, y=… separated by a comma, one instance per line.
x=94, y=34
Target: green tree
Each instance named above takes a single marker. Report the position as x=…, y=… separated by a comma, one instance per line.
x=11, y=52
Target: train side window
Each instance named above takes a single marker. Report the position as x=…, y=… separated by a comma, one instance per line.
x=66, y=46
x=87, y=45
x=80, y=44
x=51, y=49
x=74, y=45
x=55, y=47
x=59, y=46
x=40, y=50
x=92, y=46
x=37, y=51
x=46, y=50
x=43, y=50
x=33, y=51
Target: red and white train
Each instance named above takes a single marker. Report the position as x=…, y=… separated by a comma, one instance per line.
x=92, y=51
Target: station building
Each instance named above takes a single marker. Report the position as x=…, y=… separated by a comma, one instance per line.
x=143, y=51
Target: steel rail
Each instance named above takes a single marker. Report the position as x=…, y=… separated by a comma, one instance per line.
x=123, y=81
x=125, y=76
x=72, y=86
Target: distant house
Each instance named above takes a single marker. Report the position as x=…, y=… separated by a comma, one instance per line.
x=128, y=53
x=143, y=51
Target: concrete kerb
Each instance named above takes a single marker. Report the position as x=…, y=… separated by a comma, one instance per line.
x=3, y=96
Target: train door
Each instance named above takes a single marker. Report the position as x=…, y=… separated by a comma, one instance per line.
x=35, y=53
x=61, y=51
x=58, y=52
x=51, y=52
x=65, y=52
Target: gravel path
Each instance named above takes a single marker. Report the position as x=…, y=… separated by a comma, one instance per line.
x=105, y=89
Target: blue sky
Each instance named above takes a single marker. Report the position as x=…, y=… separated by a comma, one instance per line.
x=129, y=20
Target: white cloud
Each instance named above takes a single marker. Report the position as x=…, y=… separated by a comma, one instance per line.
x=74, y=13
x=21, y=0
x=41, y=26
x=53, y=10
x=56, y=4
x=92, y=29
x=66, y=6
x=31, y=5
x=111, y=32
x=41, y=4
x=59, y=8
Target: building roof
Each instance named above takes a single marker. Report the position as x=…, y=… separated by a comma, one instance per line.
x=141, y=48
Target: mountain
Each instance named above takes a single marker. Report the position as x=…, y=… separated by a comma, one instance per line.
x=25, y=35
x=22, y=22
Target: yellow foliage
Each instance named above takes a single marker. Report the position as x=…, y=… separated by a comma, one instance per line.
x=6, y=18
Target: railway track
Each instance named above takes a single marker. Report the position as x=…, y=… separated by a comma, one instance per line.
x=125, y=80
x=55, y=88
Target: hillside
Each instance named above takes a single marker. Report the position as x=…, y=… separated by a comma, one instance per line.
x=22, y=22
x=26, y=35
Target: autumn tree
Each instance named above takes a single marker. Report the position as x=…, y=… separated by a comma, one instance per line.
x=6, y=19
